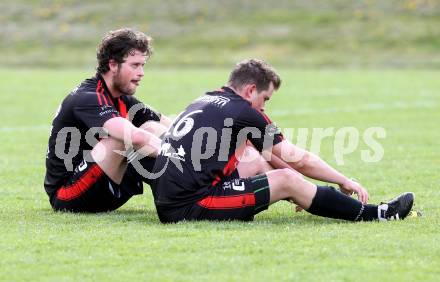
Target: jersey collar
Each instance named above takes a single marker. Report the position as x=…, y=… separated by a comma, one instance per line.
x=106, y=90
x=99, y=77
x=230, y=91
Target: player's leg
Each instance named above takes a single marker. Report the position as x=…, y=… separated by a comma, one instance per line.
x=122, y=165
x=139, y=166
x=107, y=153
x=232, y=199
x=89, y=189
x=255, y=164
x=97, y=184
x=329, y=202
x=324, y=201
x=110, y=181
x=286, y=184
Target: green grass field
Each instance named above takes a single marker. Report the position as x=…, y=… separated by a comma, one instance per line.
x=131, y=244
x=300, y=33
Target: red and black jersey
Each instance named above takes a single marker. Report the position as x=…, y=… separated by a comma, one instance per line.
x=204, y=145
x=88, y=106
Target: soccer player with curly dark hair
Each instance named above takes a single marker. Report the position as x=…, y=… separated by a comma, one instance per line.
x=103, y=140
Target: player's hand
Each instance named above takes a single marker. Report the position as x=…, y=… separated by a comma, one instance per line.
x=350, y=186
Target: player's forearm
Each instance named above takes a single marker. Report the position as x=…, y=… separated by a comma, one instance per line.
x=314, y=167
x=146, y=143
x=143, y=141
x=307, y=163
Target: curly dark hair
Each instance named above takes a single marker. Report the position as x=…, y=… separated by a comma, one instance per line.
x=254, y=71
x=117, y=44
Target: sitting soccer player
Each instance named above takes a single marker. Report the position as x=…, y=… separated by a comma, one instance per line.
x=89, y=163
x=205, y=176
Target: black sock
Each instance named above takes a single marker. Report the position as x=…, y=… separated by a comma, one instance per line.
x=332, y=203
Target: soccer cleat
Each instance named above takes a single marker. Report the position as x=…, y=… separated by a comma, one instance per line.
x=397, y=208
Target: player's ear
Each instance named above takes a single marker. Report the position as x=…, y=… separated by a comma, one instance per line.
x=113, y=65
x=249, y=90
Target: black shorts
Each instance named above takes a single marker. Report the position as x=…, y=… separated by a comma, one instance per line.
x=233, y=198
x=89, y=189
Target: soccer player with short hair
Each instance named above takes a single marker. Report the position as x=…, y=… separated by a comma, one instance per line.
x=97, y=128
x=213, y=168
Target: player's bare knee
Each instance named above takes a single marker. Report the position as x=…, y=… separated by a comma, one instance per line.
x=291, y=178
x=288, y=174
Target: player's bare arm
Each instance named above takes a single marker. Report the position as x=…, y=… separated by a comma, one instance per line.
x=157, y=128
x=314, y=167
x=142, y=140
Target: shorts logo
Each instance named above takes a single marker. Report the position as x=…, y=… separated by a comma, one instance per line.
x=238, y=185
x=227, y=185
x=82, y=166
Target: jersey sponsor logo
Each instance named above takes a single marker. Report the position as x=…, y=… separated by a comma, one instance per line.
x=107, y=110
x=218, y=101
